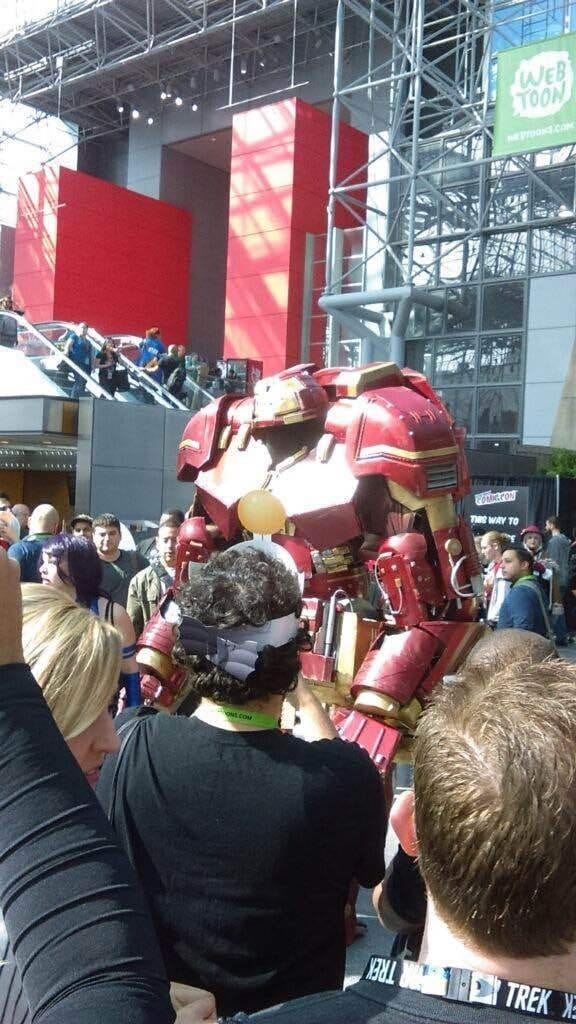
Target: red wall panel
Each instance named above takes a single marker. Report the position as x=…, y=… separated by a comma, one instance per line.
x=278, y=194
x=89, y=250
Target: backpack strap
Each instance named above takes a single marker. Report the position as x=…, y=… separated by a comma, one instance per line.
x=109, y=611
x=534, y=586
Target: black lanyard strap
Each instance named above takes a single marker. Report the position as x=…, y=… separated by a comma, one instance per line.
x=465, y=986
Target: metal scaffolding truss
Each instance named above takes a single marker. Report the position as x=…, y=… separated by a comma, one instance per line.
x=426, y=97
x=81, y=60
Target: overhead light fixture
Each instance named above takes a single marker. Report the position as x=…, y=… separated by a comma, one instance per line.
x=166, y=92
x=216, y=75
x=150, y=120
x=193, y=82
x=243, y=66
x=178, y=101
x=194, y=107
x=135, y=114
x=262, y=60
x=564, y=211
x=163, y=95
x=277, y=37
x=318, y=41
x=120, y=108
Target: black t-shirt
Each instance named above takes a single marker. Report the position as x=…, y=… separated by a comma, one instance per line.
x=246, y=844
x=168, y=364
x=370, y=1003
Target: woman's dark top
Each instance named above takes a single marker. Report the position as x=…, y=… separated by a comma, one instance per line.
x=75, y=917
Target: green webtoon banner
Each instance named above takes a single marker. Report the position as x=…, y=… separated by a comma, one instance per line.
x=536, y=96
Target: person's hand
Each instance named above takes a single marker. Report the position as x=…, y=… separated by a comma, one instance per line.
x=192, y=1005
x=301, y=694
x=10, y=611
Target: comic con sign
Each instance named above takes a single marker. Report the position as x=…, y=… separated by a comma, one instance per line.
x=535, y=96
x=502, y=509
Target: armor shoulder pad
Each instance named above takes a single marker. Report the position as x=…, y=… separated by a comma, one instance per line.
x=199, y=443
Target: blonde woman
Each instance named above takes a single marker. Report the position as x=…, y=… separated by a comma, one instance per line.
x=82, y=935
x=75, y=658
x=495, y=586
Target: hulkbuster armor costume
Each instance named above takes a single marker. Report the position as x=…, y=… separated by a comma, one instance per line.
x=369, y=467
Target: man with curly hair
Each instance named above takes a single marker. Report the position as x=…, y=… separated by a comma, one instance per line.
x=246, y=839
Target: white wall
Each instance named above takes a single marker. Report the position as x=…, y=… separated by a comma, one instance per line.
x=550, y=340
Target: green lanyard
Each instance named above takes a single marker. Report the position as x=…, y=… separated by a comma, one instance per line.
x=246, y=717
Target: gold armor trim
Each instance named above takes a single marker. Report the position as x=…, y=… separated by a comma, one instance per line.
x=366, y=377
x=404, y=453
x=188, y=443
x=440, y=511
x=380, y=704
x=159, y=665
x=224, y=439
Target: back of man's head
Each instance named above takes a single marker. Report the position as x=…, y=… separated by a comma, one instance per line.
x=495, y=798
x=503, y=647
x=173, y=514
x=44, y=519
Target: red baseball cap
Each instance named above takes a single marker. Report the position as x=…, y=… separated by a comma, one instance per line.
x=533, y=528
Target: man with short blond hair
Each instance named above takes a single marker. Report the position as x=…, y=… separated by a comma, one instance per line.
x=492, y=820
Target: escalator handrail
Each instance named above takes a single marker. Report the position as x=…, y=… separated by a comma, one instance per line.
x=95, y=343
x=152, y=386
x=161, y=387
x=92, y=385
x=146, y=382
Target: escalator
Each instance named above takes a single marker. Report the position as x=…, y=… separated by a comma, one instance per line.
x=141, y=387
x=23, y=338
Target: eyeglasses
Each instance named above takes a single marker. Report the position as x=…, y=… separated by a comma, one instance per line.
x=5, y=508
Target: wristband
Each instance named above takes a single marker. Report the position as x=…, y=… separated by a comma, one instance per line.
x=131, y=683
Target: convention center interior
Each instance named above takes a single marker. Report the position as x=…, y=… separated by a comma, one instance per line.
x=287, y=511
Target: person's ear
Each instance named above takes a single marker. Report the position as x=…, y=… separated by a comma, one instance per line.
x=402, y=821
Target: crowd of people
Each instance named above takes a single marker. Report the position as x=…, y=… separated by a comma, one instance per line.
x=531, y=584
x=158, y=867
x=181, y=373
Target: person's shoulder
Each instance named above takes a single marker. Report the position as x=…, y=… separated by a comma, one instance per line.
x=322, y=1008
x=17, y=550
x=338, y=754
x=141, y=578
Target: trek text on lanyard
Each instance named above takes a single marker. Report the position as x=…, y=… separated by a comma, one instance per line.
x=464, y=986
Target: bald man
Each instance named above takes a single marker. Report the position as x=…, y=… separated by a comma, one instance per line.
x=43, y=523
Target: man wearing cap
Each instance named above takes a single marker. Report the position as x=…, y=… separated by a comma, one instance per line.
x=245, y=838
x=81, y=526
